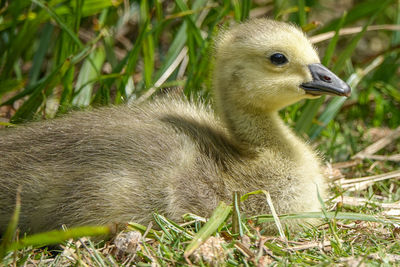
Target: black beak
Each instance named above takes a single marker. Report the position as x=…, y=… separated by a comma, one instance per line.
x=325, y=82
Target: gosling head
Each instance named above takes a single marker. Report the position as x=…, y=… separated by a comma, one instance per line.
x=266, y=65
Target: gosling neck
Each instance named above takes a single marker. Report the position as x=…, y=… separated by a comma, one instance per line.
x=257, y=128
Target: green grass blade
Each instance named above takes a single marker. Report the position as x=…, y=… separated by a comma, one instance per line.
x=167, y=234
x=28, y=90
x=346, y=54
x=29, y=108
x=148, y=44
x=246, y=7
x=59, y=236
x=241, y=9
x=131, y=60
x=237, y=10
x=175, y=48
x=7, y=124
x=332, y=44
x=68, y=90
x=329, y=215
x=9, y=85
x=38, y=58
x=91, y=7
x=246, y=196
x=310, y=110
x=329, y=113
x=132, y=226
x=218, y=217
x=8, y=236
x=271, y=206
x=192, y=27
x=88, y=73
x=194, y=38
x=302, y=13
x=168, y=224
x=19, y=43
x=396, y=35
x=87, y=7
x=279, y=6
x=59, y=21
x=179, y=41
x=237, y=227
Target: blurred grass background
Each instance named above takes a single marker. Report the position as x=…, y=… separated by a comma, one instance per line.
x=61, y=55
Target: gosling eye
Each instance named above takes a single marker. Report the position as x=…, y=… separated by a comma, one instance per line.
x=278, y=59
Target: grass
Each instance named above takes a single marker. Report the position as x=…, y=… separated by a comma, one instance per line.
x=56, y=56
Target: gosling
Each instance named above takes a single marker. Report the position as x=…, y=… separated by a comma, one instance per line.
x=171, y=156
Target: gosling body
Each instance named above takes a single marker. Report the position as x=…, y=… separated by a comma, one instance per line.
x=172, y=156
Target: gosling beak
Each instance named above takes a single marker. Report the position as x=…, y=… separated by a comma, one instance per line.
x=325, y=82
